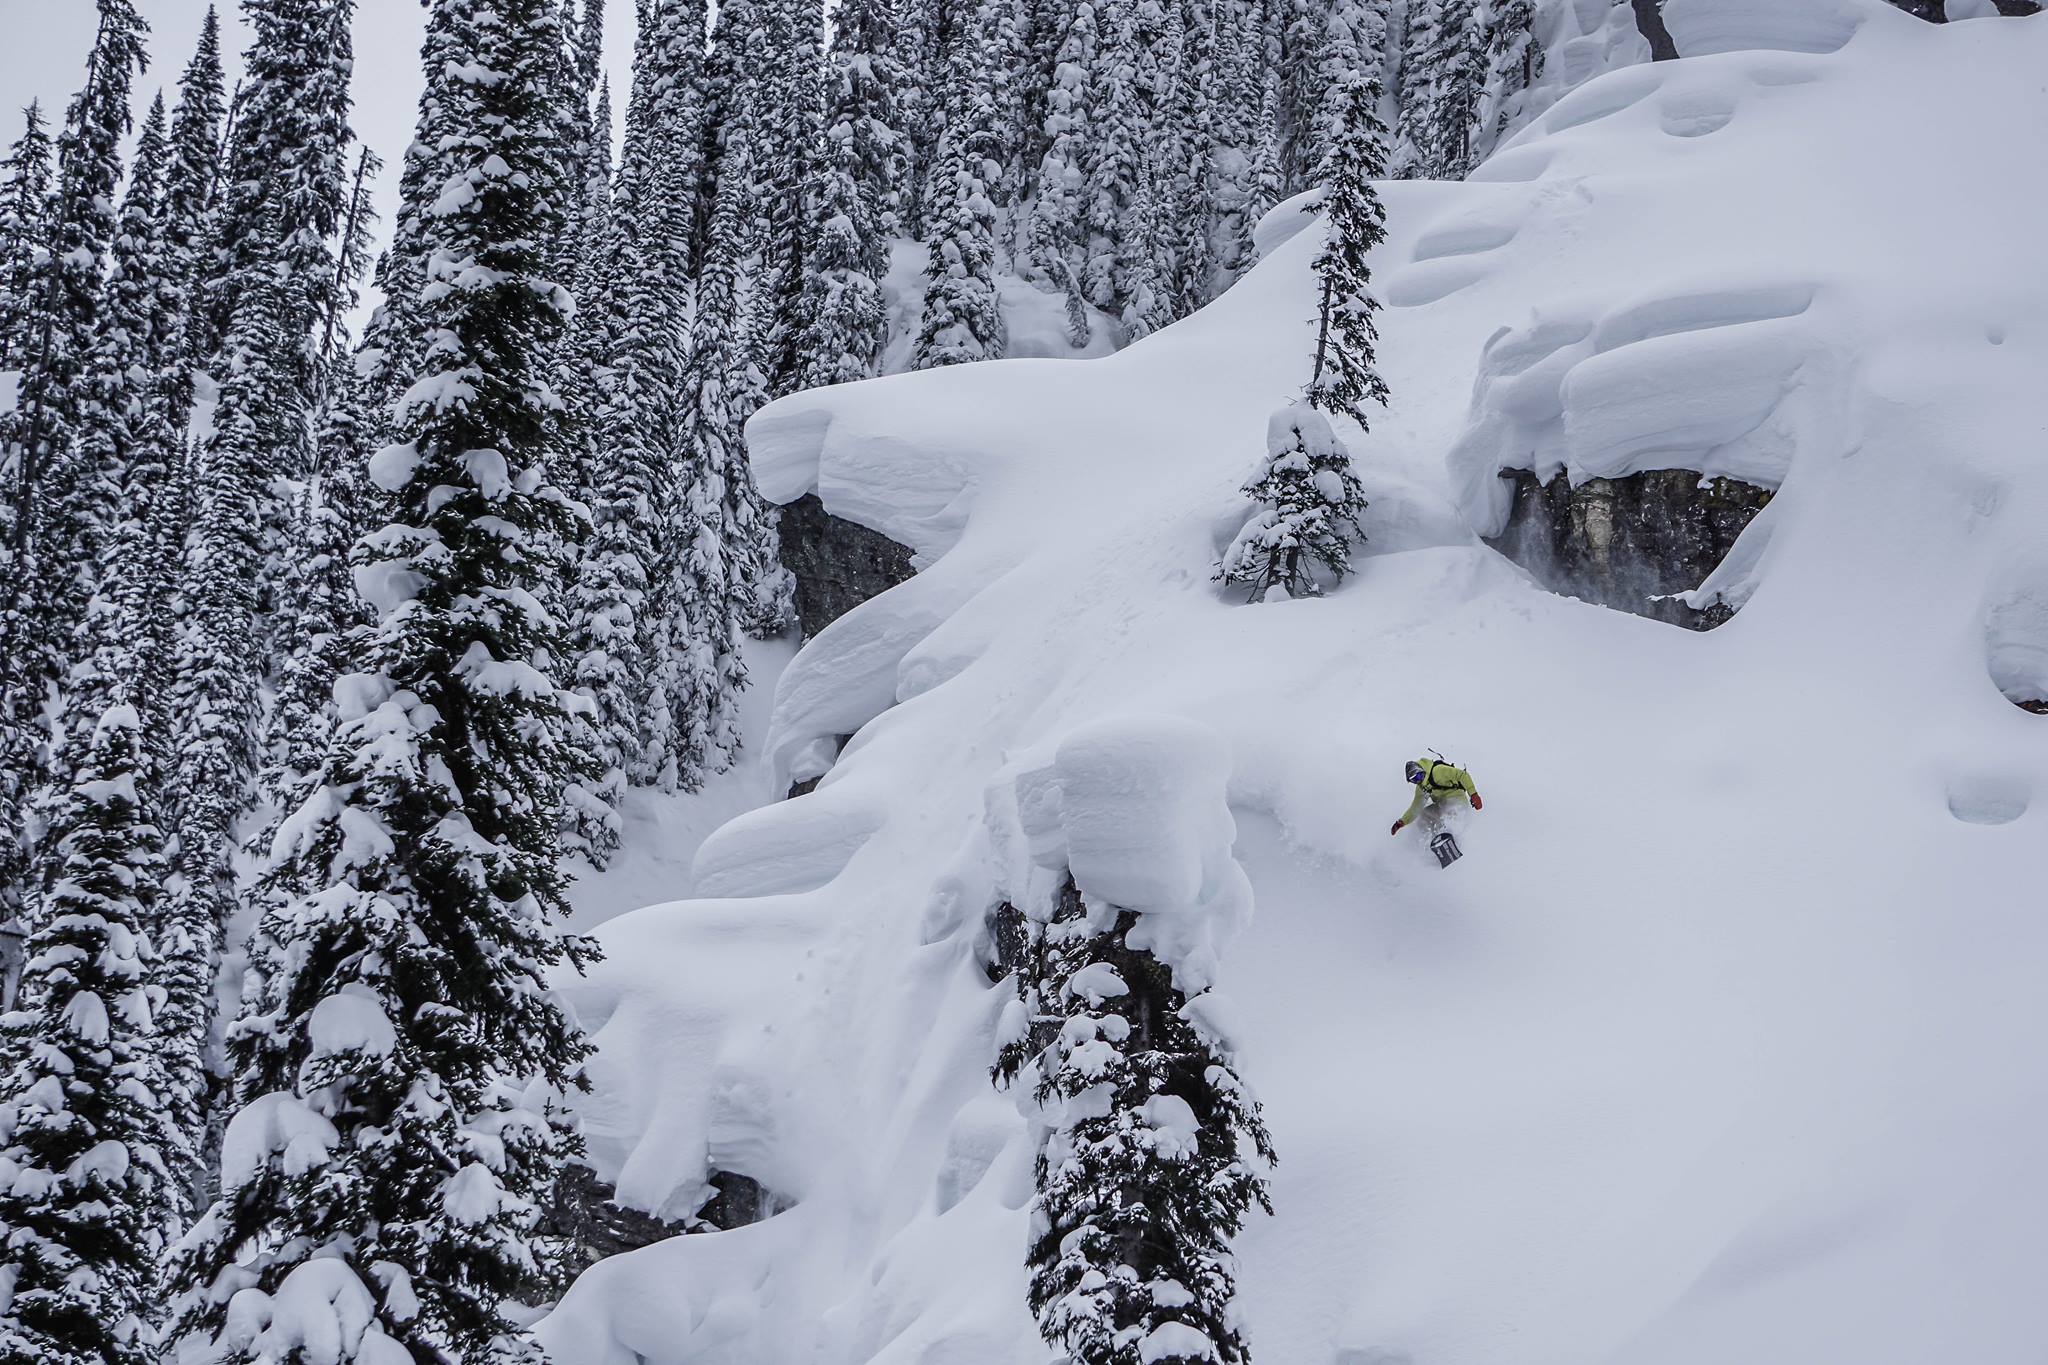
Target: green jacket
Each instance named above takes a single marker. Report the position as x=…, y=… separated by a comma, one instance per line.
x=1440, y=783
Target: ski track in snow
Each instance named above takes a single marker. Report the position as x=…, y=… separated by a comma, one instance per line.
x=1719, y=1044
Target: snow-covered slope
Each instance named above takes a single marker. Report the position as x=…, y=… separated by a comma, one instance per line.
x=1721, y=1043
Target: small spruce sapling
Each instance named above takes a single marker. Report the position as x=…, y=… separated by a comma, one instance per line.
x=1309, y=506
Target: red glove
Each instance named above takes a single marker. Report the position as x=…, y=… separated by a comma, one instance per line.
x=1396, y=829
x=1477, y=804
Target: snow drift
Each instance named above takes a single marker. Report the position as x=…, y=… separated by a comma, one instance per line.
x=1721, y=1043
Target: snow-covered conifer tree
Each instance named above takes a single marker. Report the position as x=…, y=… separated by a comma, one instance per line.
x=318, y=606
x=1458, y=66
x=1057, y=230
x=64, y=298
x=191, y=188
x=1307, y=496
x=1243, y=151
x=630, y=601
x=85, y=1199
x=740, y=357
x=1147, y=1172
x=579, y=67
x=854, y=201
x=591, y=823
x=1115, y=157
x=1514, y=59
x=1414, y=91
x=116, y=378
x=394, y=1141
x=190, y=184
x=1443, y=85
x=1355, y=222
x=24, y=224
x=82, y=1183
x=923, y=29
x=721, y=390
x=1325, y=43
x=273, y=282
x=962, y=319
x=44, y=572
x=1147, y=294
x=783, y=113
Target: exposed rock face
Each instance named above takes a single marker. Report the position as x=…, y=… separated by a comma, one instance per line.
x=837, y=564
x=1009, y=941
x=1650, y=23
x=741, y=1201
x=583, y=1211
x=1625, y=542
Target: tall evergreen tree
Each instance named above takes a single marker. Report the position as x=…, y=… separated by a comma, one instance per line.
x=45, y=575
x=783, y=134
x=1146, y=1173
x=1147, y=303
x=1514, y=59
x=115, y=383
x=393, y=1155
x=318, y=605
x=191, y=183
x=1443, y=85
x=579, y=67
x=591, y=821
x=1043, y=28
x=24, y=226
x=85, y=1202
x=282, y=203
x=923, y=28
x=82, y=1181
x=190, y=190
x=704, y=670
x=1414, y=91
x=1246, y=139
x=855, y=201
x=764, y=79
x=1355, y=220
x=1058, y=226
x=630, y=596
x=1457, y=65
x=962, y=319
x=1326, y=42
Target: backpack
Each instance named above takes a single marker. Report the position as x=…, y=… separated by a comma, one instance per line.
x=1429, y=782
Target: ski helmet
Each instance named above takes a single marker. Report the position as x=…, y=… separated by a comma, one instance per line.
x=1414, y=771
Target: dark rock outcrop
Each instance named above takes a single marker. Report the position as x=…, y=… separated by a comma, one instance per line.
x=1650, y=23
x=1009, y=942
x=740, y=1201
x=583, y=1211
x=837, y=564
x=1625, y=542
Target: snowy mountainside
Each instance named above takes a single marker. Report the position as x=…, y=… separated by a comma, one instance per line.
x=1721, y=1041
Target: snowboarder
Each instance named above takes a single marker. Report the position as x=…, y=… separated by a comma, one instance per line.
x=1437, y=784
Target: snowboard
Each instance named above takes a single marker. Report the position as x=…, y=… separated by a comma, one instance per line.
x=1446, y=849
